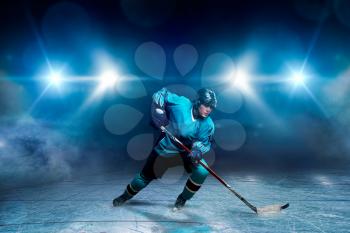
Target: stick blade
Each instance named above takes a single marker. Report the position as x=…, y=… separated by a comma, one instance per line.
x=271, y=209
x=285, y=206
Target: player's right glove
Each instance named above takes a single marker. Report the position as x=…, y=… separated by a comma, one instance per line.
x=195, y=156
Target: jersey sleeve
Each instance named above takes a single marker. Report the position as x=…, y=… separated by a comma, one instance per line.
x=205, y=138
x=163, y=97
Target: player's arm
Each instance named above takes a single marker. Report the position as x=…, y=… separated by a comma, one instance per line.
x=160, y=100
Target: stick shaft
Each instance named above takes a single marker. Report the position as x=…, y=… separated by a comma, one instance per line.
x=221, y=180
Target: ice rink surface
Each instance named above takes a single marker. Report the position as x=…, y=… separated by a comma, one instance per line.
x=319, y=202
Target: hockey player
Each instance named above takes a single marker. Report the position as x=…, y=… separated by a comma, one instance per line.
x=191, y=123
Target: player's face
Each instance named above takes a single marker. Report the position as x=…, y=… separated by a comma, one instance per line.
x=204, y=111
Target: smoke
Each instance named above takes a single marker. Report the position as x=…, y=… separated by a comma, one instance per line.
x=324, y=142
x=11, y=97
x=331, y=138
x=320, y=139
x=31, y=152
x=337, y=98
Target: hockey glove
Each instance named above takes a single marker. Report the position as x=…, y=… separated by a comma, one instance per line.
x=159, y=116
x=195, y=156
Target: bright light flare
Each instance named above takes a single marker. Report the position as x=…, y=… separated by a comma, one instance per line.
x=299, y=78
x=241, y=80
x=108, y=79
x=55, y=78
x=241, y=76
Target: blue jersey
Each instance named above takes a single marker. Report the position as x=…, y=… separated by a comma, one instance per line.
x=195, y=133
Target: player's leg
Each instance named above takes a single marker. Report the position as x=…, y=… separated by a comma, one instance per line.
x=139, y=182
x=193, y=184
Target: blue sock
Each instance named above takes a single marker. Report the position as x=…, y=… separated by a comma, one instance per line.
x=194, y=182
x=136, y=185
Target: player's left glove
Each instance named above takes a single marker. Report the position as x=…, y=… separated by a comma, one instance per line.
x=195, y=156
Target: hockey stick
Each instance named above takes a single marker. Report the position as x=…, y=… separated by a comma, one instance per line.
x=259, y=210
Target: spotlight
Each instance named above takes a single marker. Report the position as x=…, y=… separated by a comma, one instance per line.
x=108, y=78
x=298, y=78
x=108, y=72
x=298, y=75
x=55, y=78
x=241, y=79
